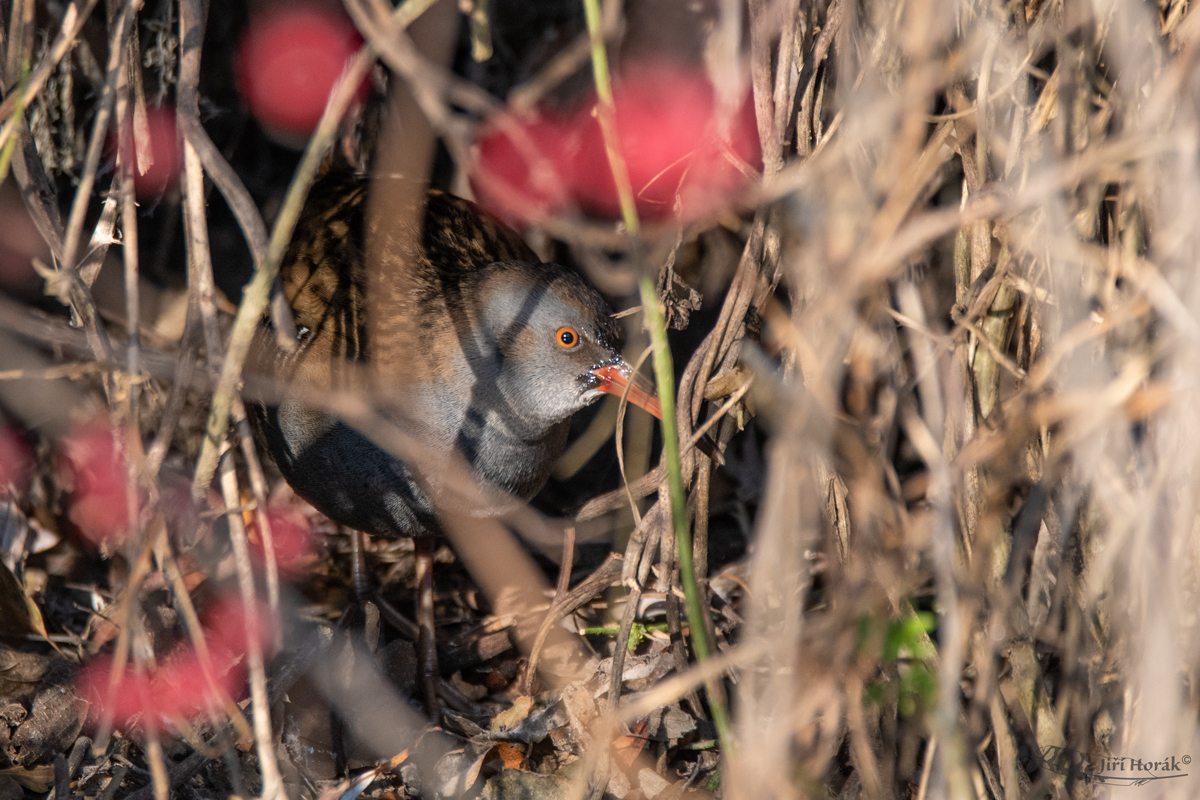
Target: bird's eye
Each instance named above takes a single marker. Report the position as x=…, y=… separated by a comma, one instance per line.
x=566, y=338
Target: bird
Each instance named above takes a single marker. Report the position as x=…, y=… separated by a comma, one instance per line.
x=505, y=348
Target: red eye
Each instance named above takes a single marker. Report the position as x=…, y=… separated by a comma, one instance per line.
x=566, y=338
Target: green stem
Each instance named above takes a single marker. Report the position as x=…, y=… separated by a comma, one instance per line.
x=664, y=372
x=608, y=118
x=11, y=145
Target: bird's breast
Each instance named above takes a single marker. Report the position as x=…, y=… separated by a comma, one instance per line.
x=499, y=445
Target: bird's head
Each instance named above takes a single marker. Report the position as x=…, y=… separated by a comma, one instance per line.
x=554, y=345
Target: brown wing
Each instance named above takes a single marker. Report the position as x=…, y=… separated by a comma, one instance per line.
x=322, y=272
x=324, y=276
x=461, y=237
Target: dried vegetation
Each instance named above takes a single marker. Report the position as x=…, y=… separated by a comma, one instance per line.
x=950, y=343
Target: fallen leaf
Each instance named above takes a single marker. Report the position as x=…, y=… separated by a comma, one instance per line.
x=513, y=716
x=36, y=779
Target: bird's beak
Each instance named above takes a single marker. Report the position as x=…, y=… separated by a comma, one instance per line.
x=615, y=377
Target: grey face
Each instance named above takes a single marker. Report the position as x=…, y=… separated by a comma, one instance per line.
x=548, y=332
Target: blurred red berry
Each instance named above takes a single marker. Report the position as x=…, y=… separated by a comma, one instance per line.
x=521, y=174
x=162, y=173
x=288, y=62
x=226, y=627
x=291, y=536
x=98, y=505
x=178, y=688
x=667, y=127
x=15, y=462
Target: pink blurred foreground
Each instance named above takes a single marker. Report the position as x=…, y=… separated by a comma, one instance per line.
x=177, y=688
x=666, y=116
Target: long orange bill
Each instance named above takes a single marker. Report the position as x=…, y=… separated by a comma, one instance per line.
x=615, y=377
